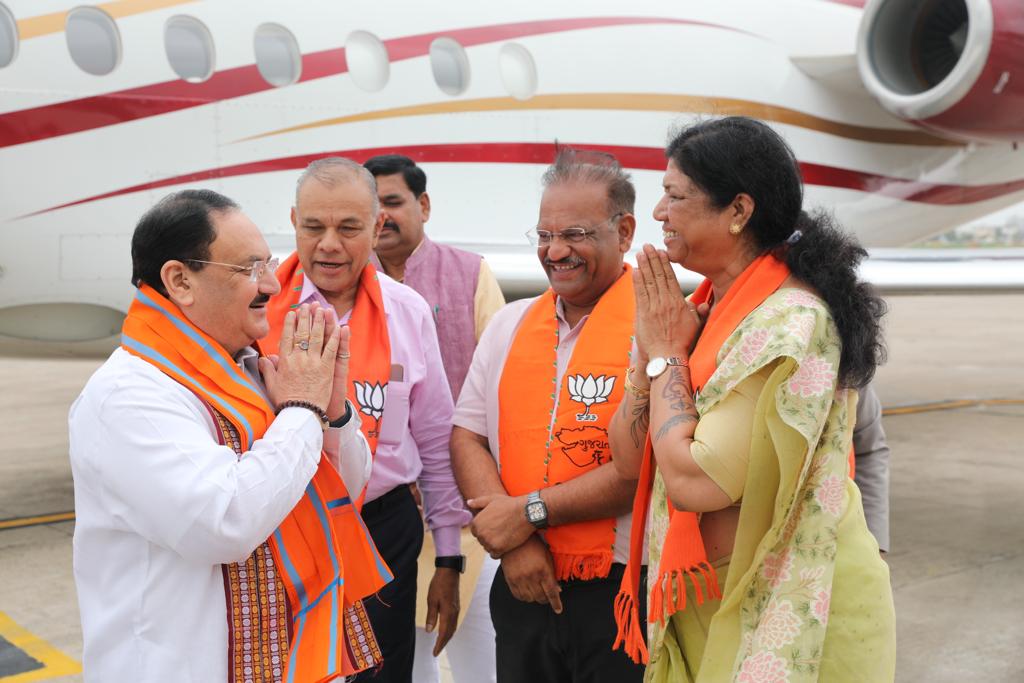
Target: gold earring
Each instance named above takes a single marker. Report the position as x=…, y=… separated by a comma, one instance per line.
x=735, y=228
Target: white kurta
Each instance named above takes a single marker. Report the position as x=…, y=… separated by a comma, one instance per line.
x=160, y=506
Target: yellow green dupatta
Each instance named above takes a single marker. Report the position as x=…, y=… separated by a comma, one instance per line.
x=806, y=596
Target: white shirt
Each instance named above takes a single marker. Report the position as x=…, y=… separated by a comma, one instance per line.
x=477, y=409
x=160, y=506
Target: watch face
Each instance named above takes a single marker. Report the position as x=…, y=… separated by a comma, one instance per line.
x=535, y=512
x=656, y=366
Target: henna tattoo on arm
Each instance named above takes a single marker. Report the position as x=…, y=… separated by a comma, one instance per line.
x=640, y=409
x=680, y=396
x=641, y=421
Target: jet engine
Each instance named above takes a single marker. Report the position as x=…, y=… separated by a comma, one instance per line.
x=955, y=67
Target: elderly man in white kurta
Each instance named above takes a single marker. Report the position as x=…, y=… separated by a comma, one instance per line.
x=173, y=493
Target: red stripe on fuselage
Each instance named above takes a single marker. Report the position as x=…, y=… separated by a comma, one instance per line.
x=74, y=116
x=639, y=158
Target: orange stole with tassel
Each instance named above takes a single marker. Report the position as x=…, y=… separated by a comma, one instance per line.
x=683, y=554
x=548, y=435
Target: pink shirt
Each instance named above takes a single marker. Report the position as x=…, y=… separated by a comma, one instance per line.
x=417, y=421
x=478, y=407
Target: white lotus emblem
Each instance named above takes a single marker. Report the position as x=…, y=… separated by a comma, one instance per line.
x=370, y=398
x=588, y=391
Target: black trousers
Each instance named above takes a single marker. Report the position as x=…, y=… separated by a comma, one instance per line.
x=535, y=645
x=397, y=528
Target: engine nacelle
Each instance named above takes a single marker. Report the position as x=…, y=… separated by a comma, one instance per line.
x=955, y=67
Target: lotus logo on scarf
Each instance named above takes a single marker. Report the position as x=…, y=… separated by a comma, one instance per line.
x=370, y=398
x=588, y=391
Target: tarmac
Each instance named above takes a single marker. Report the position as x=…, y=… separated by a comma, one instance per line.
x=957, y=556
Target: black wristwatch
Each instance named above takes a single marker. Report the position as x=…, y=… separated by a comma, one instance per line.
x=536, y=511
x=451, y=562
x=343, y=420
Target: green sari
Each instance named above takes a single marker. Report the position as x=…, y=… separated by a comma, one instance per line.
x=805, y=593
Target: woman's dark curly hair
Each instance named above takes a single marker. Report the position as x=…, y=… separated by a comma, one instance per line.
x=728, y=156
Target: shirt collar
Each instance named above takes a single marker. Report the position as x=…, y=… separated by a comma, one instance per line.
x=247, y=359
x=560, y=314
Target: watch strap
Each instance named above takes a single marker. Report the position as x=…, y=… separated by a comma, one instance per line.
x=533, y=500
x=343, y=420
x=457, y=562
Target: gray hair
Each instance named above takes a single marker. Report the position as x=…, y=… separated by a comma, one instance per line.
x=333, y=170
x=587, y=166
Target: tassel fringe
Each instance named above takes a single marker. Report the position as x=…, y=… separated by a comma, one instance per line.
x=582, y=567
x=629, y=635
x=668, y=594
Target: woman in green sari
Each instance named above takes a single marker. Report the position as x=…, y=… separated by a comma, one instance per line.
x=761, y=567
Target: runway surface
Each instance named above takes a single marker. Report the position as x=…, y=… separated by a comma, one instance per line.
x=957, y=507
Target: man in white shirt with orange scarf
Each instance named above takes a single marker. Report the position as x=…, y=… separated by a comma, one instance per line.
x=215, y=540
x=530, y=442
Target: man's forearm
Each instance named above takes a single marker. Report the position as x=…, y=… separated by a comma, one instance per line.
x=476, y=473
x=597, y=494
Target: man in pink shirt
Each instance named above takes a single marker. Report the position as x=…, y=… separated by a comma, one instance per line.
x=337, y=220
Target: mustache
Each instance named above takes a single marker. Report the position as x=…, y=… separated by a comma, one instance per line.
x=260, y=300
x=391, y=224
x=567, y=261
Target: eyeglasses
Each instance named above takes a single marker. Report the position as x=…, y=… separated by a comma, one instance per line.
x=571, y=235
x=256, y=271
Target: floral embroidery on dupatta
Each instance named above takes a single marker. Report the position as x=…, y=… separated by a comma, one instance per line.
x=784, y=603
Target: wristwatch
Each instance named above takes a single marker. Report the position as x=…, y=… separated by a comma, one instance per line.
x=343, y=420
x=657, y=366
x=451, y=562
x=536, y=511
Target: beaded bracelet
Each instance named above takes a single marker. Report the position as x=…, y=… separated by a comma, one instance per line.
x=320, y=413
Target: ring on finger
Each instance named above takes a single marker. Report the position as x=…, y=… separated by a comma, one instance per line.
x=303, y=344
x=344, y=356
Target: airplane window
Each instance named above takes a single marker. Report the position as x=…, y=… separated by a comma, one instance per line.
x=277, y=55
x=93, y=40
x=450, y=65
x=367, y=59
x=8, y=37
x=189, y=48
x=518, y=71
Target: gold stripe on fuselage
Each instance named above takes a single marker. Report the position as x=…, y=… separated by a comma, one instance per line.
x=716, y=106
x=45, y=24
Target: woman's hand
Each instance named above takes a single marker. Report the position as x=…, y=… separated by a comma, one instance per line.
x=666, y=323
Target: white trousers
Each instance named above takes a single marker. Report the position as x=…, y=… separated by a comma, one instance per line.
x=470, y=652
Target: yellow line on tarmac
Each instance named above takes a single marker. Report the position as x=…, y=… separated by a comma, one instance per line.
x=951, y=405
x=19, y=522
x=55, y=663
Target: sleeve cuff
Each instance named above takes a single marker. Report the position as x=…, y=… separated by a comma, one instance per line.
x=447, y=540
x=304, y=422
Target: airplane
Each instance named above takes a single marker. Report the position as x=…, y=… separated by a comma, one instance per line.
x=904, y=116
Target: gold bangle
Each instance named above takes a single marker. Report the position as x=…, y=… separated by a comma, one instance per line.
x=634, y=389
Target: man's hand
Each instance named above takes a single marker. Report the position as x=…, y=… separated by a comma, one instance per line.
x=530, y=574
x=339, y=390
x=304, y=367
x=443, y=606
x=500, y=523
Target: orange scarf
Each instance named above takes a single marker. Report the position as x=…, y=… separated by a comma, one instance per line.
x=370, y=345
x=539, y=447
x=323, y=551
x=683, y=551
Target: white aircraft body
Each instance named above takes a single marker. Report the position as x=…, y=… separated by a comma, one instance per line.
x=903, y=114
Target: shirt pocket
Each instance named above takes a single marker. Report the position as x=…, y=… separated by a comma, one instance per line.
x=395, y=421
